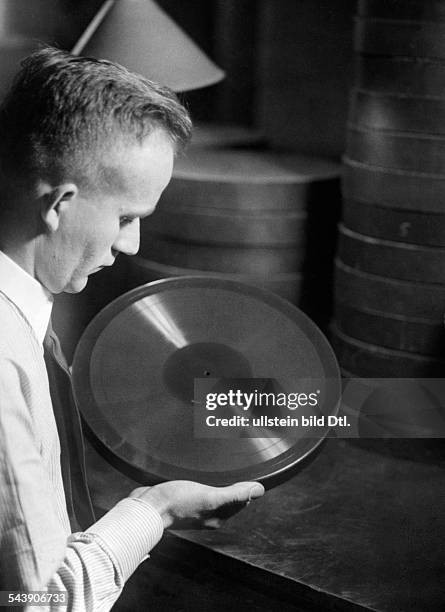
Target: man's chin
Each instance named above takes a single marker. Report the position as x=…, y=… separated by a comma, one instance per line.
x=77, y=285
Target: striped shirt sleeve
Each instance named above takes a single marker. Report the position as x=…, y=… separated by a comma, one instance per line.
x=99, y=561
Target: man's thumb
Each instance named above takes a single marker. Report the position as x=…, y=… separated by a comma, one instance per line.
x=243, y=492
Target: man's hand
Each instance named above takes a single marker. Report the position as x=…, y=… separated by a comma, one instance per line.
x=183, y=504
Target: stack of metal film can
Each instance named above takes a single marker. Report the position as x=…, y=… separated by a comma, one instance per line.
x=390, y=266
x=246, y=214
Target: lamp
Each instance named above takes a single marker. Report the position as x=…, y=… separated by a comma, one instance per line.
x=142, y=37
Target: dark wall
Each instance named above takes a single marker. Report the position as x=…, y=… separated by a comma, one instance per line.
x=52, y=21
x=289, y=66
x=25, y=24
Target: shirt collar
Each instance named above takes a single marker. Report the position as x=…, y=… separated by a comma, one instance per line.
x=29, y=296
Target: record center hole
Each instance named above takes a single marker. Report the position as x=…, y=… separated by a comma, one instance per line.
x=202, y=360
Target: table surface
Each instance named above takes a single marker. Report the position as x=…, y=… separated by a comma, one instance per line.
x=359, y=525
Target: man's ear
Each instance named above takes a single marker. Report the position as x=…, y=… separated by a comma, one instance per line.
x=54, y=202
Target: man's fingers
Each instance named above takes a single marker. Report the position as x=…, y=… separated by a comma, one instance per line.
x=240, y=493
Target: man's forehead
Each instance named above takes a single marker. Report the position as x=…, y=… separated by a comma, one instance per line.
x=134, y=166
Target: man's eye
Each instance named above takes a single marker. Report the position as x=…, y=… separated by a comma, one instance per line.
x=123, y=221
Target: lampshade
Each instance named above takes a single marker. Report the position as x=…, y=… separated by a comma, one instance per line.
x=142, y=37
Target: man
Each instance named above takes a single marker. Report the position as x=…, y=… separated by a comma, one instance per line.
x=86, y=149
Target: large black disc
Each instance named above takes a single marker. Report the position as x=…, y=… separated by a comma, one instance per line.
x=135, y=367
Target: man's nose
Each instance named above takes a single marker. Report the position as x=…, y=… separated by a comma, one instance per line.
x=128, y=239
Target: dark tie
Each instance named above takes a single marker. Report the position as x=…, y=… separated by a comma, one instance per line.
x=69, y=426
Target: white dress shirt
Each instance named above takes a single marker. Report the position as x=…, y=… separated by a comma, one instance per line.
x=31, y=298
x=37, y=550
